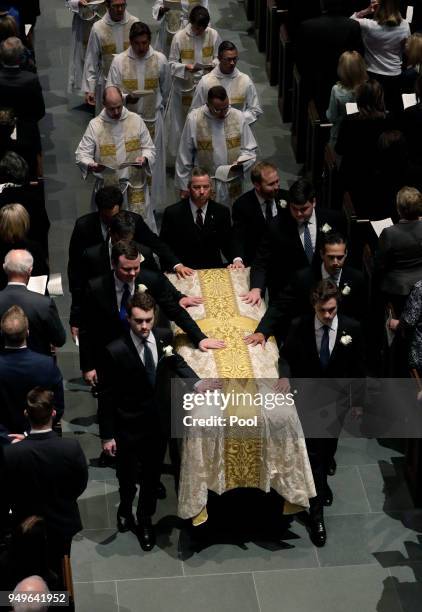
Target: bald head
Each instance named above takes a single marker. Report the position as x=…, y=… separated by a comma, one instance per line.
x=32, y=584
x=113, y=102
x=18, y=265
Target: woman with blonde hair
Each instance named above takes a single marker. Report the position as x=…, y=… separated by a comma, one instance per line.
x=351, y=72
x=384, y=38
x=14, y=228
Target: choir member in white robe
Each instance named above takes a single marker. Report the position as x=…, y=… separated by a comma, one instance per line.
x=115, y=137
x=110, y=35
x=217, y=138
x=172, y=20
x=84, y=18
x=140, y=69
x=239, y=86
x=193, y=47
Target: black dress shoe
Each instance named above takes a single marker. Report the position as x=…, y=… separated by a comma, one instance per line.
x=161, y=491
x=332, y=467
x=105, y=460
x=125, y=523
x=317, y=532
x=146, y=534
x=328, y=496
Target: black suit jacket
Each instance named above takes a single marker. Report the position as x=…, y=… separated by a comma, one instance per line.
x=44, y=476
x=21, y=90
x=249, y=225
x=198, y=248
x=294, y=300
x=122, y=407
x=100, y=321
x=45, y=327
x=20, y=371
x=281, y=252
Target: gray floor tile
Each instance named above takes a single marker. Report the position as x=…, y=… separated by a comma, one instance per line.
x=357, y=539
x=361, y=451
x=207, y=593
x=96, y=596
x=366, y=588
x=92, y=506
x=109, y=555
x=408, y=584
x=349, y=493
x=386, y=487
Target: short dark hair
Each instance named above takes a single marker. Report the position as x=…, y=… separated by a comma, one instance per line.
x=197, y=171
x=13, y=169
x=226, y=45
x=199, y=16
x=301, y=191
x=139, y=29
x=40, y=406
x=332, y=238
x=258, y=167
x=108, y=197
x=123, y=225
x=217, y=92
x=325, y=290
x=141, y=299
x=126, y=248
x=370, y=99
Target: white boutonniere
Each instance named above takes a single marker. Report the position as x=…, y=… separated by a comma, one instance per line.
x=282, y=204
x=346, y=339
x=142, y=288
x=168, y=351
x=326, y=228
x=346, y=289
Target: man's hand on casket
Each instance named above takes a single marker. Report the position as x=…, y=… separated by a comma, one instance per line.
x=282, y=385
x=183, y=271
x=256, y=338
x=208, y=384
x=211, y=343
x=253, y=297
x=190, y=300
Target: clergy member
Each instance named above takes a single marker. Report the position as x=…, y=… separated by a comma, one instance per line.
x=192, y=48
x=217, y=138
x=118, y=136
x=136, y=71
x=239, y=86
x=172, y=20
x=110, y=35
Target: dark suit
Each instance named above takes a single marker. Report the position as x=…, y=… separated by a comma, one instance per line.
x=295, y=299
x=45, y=327
x=138, y=421
x=87, y=233
x=20, y=371
x=198, y=248
x=21, y=90
x=281, y=252
x=44, y=476
x=249, y=225
x=299, y=359
x=100, y=321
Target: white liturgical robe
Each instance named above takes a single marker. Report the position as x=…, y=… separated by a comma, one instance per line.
x=112, y=142
x=172, y=21
x=212, y=143
x=240, y=90
x=150, y=73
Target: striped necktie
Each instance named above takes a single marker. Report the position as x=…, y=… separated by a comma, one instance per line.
x=307, y=242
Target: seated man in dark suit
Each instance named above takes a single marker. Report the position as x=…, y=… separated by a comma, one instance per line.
x=292, y=241
x=134, y=425
x=21, y=370
x=45, y=327
x=103, y=313
x=93, y=229
x=44, y=475
x=293, y=301
x=198, y=229
x=255, y=209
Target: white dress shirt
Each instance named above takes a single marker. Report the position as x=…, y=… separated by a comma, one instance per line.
x=325, y=275
x=119, y=286
x=332, y=333
x=139, y=345
x=261, y=201
x=194, y=208
x=312, y=225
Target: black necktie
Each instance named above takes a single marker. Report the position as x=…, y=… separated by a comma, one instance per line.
x=199, y=218
x=123, y=303
x=149, y=362
x=307, y=242
x=268, y=210
x=324, y=354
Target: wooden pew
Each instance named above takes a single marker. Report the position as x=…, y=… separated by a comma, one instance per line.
x=330, y=189
x=285, y=76
x=250, y=10
x=413, y=466
x=299, y=117
x=261, y=24
x=317, y=135
x=274, y=18
x=68, y=581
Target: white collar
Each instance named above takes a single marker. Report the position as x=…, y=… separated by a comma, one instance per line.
x=103, y=115
x=132, y=55
x=138, y=342
x=40, y=431
x=220, y=75
x=332, y=327
x=18, y=284
x=112, y=23
x=120, y=284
